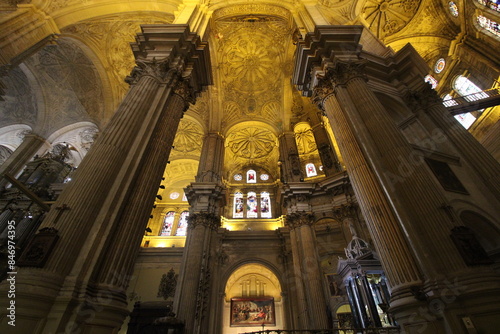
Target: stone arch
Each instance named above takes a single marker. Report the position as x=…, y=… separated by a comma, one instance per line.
x=78, y=137
x=486, y=232
x=251, y=279
x=12, y=136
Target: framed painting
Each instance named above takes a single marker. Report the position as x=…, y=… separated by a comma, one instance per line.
x=246, y=312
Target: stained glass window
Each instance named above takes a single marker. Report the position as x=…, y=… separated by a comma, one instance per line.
x=251, y=176
x=311, y=170
x=453, y=8
x=252, y=205
x=182, y=225
x=493, y=4
x=466, y=88
x=430, y=79
x=238, y=205
x=238, y=177
x=167, y=223
x=439, y=66
x=174, y=195
x=265, y=205
x=264, y=177
x=489, y=25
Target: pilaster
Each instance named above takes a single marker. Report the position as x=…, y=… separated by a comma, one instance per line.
x=307, y=268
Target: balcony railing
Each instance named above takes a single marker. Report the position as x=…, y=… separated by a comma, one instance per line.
x=380, y=330
x=467, y=103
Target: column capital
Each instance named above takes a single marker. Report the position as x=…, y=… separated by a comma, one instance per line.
x=345, y=211
x=423, y=98
x=159, y=70
x=206, y=219
x=340, y=72
x=298, y=219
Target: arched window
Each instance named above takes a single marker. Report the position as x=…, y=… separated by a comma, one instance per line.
x=251, y=176
x=238, y=205
x=182, y=225
x=265, y=205
x=471, y=92
x=453, y=8
x=311, y=170
x=167, y=224
x=252, y=210
x=489, y=25
x=430, y=79
x=490, y=4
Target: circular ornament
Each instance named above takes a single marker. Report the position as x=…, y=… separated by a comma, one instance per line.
x=439, y=66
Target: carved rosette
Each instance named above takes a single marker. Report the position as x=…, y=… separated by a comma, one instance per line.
x=159, y=70
x=298, y=219
x=209, y=220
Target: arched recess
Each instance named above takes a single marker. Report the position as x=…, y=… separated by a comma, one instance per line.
x=78, y=137
x=12, y=136
x=486, y=232
x=252, y=298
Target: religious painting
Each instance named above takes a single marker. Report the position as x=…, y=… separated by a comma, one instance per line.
x=246, y=312
x=448, y=180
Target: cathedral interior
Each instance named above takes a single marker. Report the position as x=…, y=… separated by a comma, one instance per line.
x=224, y=167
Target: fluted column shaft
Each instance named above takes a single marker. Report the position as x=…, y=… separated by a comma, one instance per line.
x=121, y=253
x=472, y=150
x=300, y=309
x=289, y=155
x=211, y=157
x=395, y=255
x=192, y=302
x=415, y=197
x=21, y=156
x=327, y=153
x=311, y=271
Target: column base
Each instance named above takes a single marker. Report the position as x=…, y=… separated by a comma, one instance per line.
x=468, y=304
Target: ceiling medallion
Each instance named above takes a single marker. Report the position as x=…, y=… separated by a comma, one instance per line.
x=252, y=143
x=387, y=17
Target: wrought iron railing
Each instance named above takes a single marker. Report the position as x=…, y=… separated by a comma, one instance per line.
x=479, y=100
x=378, y=330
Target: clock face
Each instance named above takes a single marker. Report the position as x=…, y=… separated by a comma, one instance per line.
x=238, y=177
x=264, y=177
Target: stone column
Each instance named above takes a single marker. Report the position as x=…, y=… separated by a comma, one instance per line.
x=62, y=295
x=396, y=256
x=331, y=164
x=300, y=309
x=305, y=244
x=427, y=101
x=21, y=156
x=193, y=303
x=289, y=158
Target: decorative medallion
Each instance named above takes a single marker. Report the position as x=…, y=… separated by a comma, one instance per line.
x=189, y=137
x=252, y=142
x=386, y=17
x=439, y=66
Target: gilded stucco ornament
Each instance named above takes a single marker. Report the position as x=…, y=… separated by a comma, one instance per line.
x=386, y=17
x=252, y=143
x=188, y=138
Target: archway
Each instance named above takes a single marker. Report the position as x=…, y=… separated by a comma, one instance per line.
x=252, y=300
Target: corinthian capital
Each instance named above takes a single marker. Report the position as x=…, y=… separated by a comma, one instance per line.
x=341, y=72
x=298, y=219
x=206, y=219
x=323, y=89
x=159, y=70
